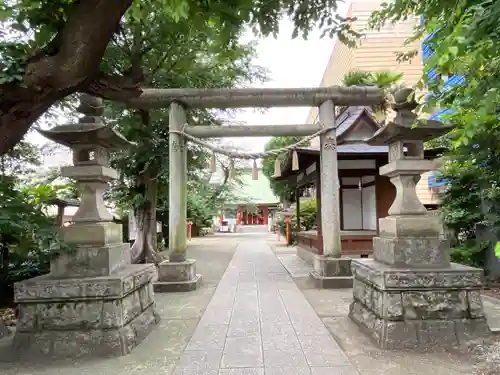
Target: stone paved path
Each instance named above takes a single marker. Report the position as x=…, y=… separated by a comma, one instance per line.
x=258, y=322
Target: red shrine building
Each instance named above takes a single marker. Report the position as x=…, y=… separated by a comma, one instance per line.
x=252, y=202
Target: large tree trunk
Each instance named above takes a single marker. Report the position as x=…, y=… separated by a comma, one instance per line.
x=72, y=65
x=144, y=249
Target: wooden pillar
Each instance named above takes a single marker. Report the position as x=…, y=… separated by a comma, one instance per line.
x=330, y=212
x=177, y=236
x=238, y=216
x=265, y=214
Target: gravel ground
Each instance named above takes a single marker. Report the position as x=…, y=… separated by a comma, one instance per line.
x=493, y=291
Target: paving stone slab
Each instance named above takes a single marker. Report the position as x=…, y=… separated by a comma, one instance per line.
x=334, y=370
x=244, y=328
x=242, y=352
x=305, y=370
x=200, y=359
x=242, y=371
x=266, y=324
x=209, y=337
x=322, y=350
x=195, y=371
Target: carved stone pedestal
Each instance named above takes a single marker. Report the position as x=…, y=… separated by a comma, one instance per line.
x=93, y=302
x=407, y=308
x=410, y=295
x=177, y=276
x=86, y=316
x=331, y=273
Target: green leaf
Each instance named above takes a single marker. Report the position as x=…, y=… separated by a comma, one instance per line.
x=453, y=50
x=497, y=249
x=443, y=59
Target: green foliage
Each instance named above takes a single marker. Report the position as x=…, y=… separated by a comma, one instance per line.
x=382, y=79
x=472, y=195
x=461, y=201
x=199, y=210
x=281, y=226
x=20, y=160
x=308, y=214
x=191, y=55
x=28, y=237
x=470, y=253
x=282, y=189
x=463, y=37
x=36, y=27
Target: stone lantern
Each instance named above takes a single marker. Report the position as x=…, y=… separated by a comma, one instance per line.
x=410, y=295
x=94, y=301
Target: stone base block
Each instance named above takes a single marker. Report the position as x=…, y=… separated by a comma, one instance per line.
x=177, y=276
x=93, y=234
x=417, y=308
x=329, y=267
x=421, y=252
x=178, y=286
x=91, y=316
x=335, y=282
x=91, y=261
x=422, y=335
x=410, y=226
x=331, y=273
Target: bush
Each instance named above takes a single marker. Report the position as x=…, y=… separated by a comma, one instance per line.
x=28, y=237
x=308, y=214
x=471, y=253
x=199, y=211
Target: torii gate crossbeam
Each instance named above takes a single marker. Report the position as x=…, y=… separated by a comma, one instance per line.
x=325, y=98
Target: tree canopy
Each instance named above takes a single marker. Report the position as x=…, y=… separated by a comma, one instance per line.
x=51, y=49
x=190, y=55
x=281, y=189
x=462, y=36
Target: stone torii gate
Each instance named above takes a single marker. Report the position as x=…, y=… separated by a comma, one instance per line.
x=179, y=273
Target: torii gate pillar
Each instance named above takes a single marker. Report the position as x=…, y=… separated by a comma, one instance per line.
x=330, y=270
x=178, y=274
x=177, y=236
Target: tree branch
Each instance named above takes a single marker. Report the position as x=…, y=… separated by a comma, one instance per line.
x=63, y=70
x=82, y=43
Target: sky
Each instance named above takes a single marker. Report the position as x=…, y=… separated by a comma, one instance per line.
x=290, y=63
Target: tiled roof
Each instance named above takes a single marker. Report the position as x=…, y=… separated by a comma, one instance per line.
x=253, y=191
x=347, y=118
